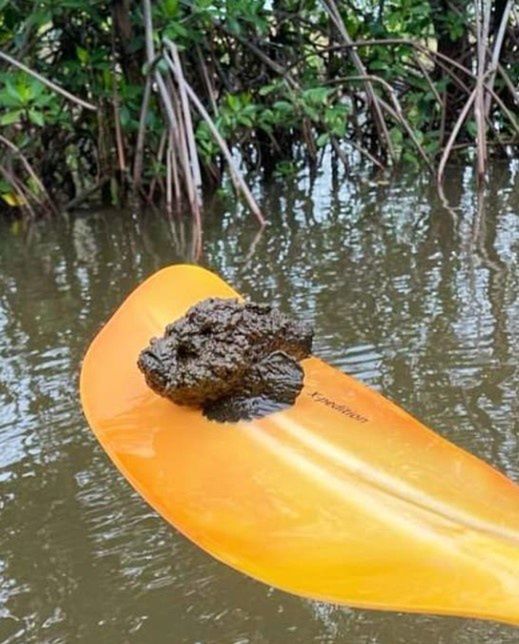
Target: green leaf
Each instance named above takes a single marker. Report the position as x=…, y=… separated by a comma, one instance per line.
x=471, y=127
x=267, y=89
x=339, y=129
x=283, y=106
x=175, y=30
x=24, y=92
x=6, y=100
x=13, y=199
x=285, y=168
x=322, y=140
x=234, y=102
x=12, y=91
x=124, y=116
x=316, y=95
x=396, y=136
x=233, y=25
x=82, y=55
x=411, y=158
x=379, y=65
x=162, y=66
x=37, y=88
x=311, y=112
x=36, y=117
x=245, y=120
x=170, y=8
x=11, y=117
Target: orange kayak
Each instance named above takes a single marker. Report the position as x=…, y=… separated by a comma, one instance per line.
x=344, y=497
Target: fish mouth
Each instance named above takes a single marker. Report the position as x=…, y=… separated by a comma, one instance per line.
x=149, y=357
x=152, y=366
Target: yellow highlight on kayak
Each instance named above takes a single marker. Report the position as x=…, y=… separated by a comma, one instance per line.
x=344, y=497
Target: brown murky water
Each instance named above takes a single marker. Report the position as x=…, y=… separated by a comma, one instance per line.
x=416, y=300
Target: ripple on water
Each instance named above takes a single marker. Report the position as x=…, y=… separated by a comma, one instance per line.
x=412, y=301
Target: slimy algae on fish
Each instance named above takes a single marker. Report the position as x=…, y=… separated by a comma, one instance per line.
x=234, y=360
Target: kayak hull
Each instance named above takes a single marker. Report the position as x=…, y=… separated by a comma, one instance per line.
x=344, y=497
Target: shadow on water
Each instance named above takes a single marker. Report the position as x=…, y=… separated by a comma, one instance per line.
x=416, y=300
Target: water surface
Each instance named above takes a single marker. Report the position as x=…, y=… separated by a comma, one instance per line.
x=415, y=299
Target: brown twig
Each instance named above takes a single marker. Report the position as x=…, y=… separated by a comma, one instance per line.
x=499, y=68
x=22, y=192
x=333, y=12
x=367, y=154
x=169, y=176
x=181, y=140
x=207, y=80
x=139, y=147
x=396, y=112
x=236, y=177
x=429, y=80
x=479, y=98
x=190, y=134
x=9, y=144
x=455, y=130
x=496, y=53
x=118, y=134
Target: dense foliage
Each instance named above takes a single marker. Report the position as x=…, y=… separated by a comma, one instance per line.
x=175, y=90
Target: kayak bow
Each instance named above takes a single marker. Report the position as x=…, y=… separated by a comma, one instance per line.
x=344, y=497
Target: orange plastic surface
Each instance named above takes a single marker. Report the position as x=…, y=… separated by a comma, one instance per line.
x=344, y=497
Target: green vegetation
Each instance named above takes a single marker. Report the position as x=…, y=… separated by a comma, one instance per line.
x=162, y=98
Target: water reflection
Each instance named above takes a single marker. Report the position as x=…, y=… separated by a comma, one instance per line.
x=418, y=301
